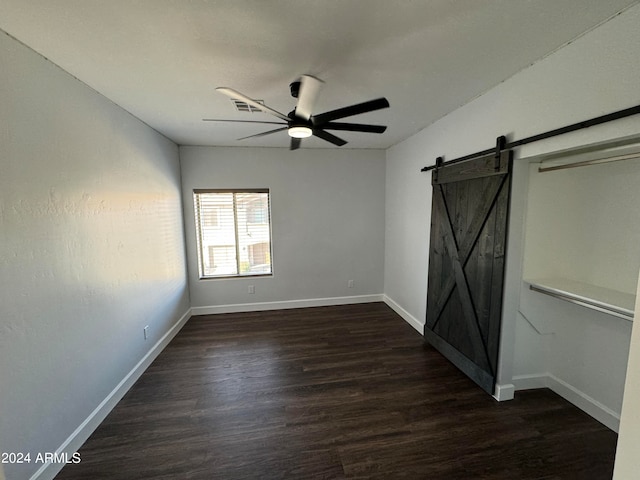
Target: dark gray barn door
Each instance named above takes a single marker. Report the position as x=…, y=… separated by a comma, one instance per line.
x=469, y=217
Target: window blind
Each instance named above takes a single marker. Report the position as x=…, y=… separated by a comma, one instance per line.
x=233, y=232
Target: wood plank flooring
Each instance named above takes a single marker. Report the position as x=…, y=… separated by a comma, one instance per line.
x=347, y=392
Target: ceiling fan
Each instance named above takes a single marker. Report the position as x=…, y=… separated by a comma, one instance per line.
x=300, y=122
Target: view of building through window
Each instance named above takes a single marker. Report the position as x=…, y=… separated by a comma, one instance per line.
x=234, y=232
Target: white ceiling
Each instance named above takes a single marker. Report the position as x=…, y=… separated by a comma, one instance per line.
x=162, y=59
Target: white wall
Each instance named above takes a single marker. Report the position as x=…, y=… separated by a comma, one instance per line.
x=326, y=212
x=596, y=74
x=91, y=251
x=574, y=218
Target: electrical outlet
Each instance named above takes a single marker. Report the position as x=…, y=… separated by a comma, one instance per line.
x=145, y=331
x=251, y=289
x=350, y=284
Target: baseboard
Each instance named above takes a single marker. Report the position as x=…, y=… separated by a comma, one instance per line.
x=584, y=402
x=262, y=306
x=81, y=434
x=530, y=382
x=406, y=316
x=504, y=392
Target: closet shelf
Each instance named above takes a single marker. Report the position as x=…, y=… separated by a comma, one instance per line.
x=604, y=300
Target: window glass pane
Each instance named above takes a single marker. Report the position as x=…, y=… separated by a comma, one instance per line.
x=222, y=260
x=217, y=238
x=233, y=230
x=254, y=243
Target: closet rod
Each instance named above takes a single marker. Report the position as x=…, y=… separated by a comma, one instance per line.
x=585, y=163
x=627, y=112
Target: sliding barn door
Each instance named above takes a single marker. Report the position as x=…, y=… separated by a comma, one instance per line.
x=469, y=217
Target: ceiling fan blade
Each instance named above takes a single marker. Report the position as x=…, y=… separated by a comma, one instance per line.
x=351, y=110
x=231, y=93
x=308, y=93
x=329, y=137
x=295, y=143
x=240, y=121
x=354, y=127
x=264, y=133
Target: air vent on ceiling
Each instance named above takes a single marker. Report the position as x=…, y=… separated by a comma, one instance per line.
x=245, y=107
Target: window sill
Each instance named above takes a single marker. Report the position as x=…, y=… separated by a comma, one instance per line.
x=227, y=277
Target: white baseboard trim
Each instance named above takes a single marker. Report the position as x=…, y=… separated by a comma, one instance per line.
x=286, y=304
x=584, y=402
x=504, y=392
x=530, y=382
x=73, y=443
x=407, y=317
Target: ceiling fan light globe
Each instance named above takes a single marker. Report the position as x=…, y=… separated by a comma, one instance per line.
x=299, y=132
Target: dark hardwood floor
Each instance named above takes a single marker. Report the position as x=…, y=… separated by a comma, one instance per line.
x=331, y=392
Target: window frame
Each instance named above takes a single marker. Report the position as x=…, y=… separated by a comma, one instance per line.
x=199, y=236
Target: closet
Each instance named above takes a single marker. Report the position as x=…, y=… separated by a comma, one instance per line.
x=580, y=272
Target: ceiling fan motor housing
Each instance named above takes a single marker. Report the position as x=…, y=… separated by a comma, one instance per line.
x=295, y=88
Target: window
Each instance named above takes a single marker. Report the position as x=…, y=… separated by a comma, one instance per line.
x=233, y=232
x=210, y=218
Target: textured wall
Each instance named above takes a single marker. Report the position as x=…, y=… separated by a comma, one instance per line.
x=326, y=207
x=91, y=250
